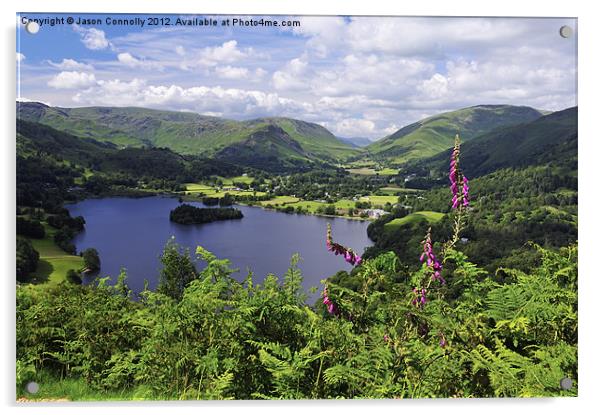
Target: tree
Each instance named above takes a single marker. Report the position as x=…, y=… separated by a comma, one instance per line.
x=91, y=259
x=178, y=270
x=330, y=210
x=30, y=228
x=27, y=258
x=73, y=277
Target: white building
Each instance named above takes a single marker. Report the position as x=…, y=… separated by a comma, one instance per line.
x=375, y=213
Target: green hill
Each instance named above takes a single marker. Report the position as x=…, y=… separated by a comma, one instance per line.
x=550, y=138
x=38, y=140
x=435, y=134
x=189, y=133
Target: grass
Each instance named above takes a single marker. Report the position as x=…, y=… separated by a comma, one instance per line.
x=229, y=181
x=53, y=389
x=392, y=190
x=280, y=200
x=380, y=200
x=310, y=205
x=430, y=216
x=369, y=171
x=54, y=262
x=198, y=187
x=192, y=188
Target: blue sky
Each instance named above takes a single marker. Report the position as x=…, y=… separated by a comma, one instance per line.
x=357, y=76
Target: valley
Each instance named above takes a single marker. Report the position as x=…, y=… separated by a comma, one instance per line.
x=105, y=179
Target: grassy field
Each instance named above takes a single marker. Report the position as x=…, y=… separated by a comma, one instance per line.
x=392, y=190
x=229, y=181
x=368, y=171
x=379, y=200
x=54, y=262
x=193, y=188
x=280, y=201
x=198, y=187
x=431, y=216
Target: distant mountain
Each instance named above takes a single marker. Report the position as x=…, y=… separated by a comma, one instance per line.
x=550, y=138
x=356, y=141
x=432, y=135
x=283, y=142
x=38, y=140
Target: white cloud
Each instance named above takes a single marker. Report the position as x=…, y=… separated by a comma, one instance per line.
x=354, y=127
x=260, y=73
x=228, y=52
x=292, y=76
x=231, y=72
x=368, y=75
x=92, y=38
x=435, y=87
x=236, y=103
x=20, y=57
x=71, y=65
x=128, y=60
x=72, y=80
x=23, y=99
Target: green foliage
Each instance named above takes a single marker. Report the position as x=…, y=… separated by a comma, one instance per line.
x=30, y=228
x=27, y=258
x=224, y=339
x=188, y=214
x=62, y=238
x=73, y=277
x=91, y=259
x=178, y=270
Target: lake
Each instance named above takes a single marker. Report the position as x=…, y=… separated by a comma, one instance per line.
x=130, y=233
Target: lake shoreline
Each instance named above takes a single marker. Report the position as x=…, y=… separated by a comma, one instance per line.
x=131, y=233
x=192, y=198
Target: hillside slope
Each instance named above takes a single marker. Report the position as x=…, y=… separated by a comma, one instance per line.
x=40, y=141
x=551, y=138
x=190, y=133
x=432, y=135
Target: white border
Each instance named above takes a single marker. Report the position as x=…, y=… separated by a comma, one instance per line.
x=589, y=203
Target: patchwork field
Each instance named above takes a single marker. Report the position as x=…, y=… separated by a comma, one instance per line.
x=368, y=171
x=194, y=188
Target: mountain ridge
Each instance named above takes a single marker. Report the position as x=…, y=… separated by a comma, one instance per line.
x=434, y=134
x=187, y=132
x=552, y=137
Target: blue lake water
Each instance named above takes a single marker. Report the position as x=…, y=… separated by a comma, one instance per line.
x=130, y=233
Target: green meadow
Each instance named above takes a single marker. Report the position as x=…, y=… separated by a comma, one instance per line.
x=430, y=216
x=54, y=262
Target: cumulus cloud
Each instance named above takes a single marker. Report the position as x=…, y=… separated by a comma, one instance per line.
x=231, y=72
x=128, y=60
x=228, y=52
x=72, y=80
x=359, y=76
x=354, y=127
x=92, y=38
x=237, y=103
x=71, y=65
x=20, y=57
x=293, y=76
